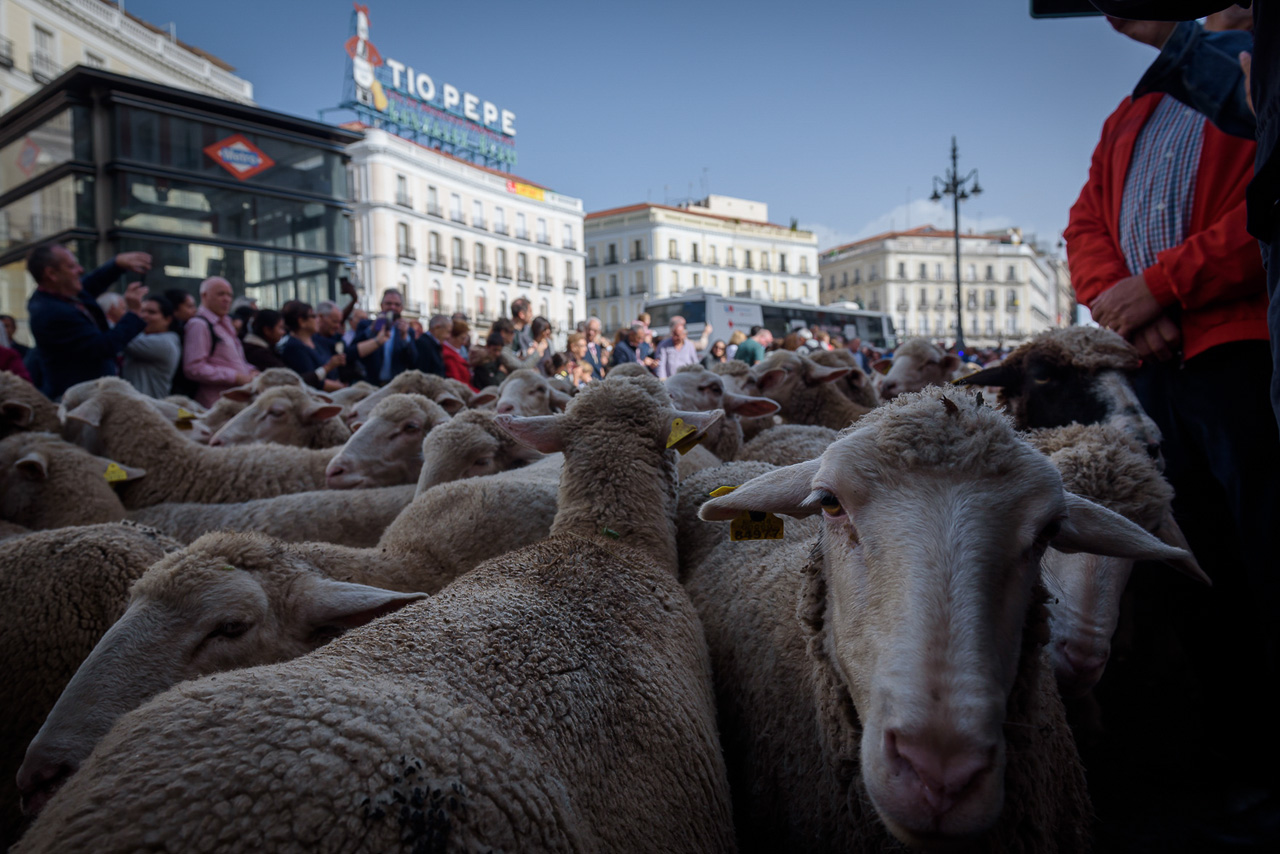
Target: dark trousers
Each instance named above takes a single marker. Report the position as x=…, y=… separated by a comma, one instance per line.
x=1271, y=260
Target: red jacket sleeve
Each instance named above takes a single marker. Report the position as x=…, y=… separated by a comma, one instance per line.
x=1220, y=262
x=1093, y=253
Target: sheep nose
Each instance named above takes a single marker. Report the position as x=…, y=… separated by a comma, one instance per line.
x=1086, y=662
x=888, y=391
x=39, y=779
x=946, y=769
x=216, y=441
x=506, y=408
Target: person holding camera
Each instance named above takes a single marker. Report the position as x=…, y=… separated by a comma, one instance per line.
x=385, y=343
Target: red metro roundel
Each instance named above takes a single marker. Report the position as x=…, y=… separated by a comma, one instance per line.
x=239, y=156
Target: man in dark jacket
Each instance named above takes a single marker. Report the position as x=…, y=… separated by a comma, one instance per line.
x=71, y=333
x=385, y=344
x=430, y=358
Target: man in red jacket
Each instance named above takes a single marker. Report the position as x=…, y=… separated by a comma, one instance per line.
x=1158, y=250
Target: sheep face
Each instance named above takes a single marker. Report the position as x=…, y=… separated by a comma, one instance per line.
x=916, y=364
x=470, y=445
x=226, y=602
x=525, y=392
x=283, y=415
x=386, y=449
x=779, y=375
x=410, y=382
x=936, y=515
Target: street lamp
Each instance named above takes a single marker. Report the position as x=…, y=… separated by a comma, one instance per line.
x=959, y=189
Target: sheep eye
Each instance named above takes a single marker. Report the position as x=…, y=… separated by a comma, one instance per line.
x=830, y=504
x=230, y=629
x=412, y=427
x=1039, y=381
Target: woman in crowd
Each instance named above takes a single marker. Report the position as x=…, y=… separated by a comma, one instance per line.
x=578, y=369
x=152, y=357
x=455, y=365
x=716, y=354
x=265, y=332
x=540, y=348
x=184, y=307
x=734, y=340
x=302, y=353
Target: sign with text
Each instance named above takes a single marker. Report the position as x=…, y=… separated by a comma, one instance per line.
x=394, y=95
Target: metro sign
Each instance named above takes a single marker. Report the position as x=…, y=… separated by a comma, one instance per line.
x=239, y=156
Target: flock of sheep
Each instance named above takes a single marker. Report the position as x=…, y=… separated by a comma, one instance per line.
x=418, y=618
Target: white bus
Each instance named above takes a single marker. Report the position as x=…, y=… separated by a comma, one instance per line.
x=730, y=314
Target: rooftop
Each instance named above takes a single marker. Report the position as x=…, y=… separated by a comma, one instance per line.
x=926, y=231
x=686, y=210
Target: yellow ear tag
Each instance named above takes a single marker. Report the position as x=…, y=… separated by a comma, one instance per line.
x=184, y=415
x=683, y=436
x=114, y=473
x=755, y=525
x=721, y=490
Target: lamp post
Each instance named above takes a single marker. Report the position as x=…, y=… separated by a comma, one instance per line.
x=958, y=189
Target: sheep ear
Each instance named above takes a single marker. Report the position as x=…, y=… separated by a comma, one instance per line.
x=1001, y=376
x=90, y=412
x=882, y=366
x=324, y=603
x=242, y=393
x=322, y=412
x=781, y=491
x=1094, y=529
x=450, y=403
x=950, y=363
x=749, y=407
x=770, y=378
x=130, y=472
x=484, y=397
x=16, y=413
x=33, y=466
x=1169, y=533
x=559, y=400
x=816, y=373
x=540, y=432
x=699, y=421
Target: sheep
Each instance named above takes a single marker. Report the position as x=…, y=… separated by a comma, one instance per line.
x=59, y=591
x=880, y=674
x=1107, y=466
x=285, y=416
x=805, y=391
x=695, y=388
x=788, y=444
x=9, y=530
x=857, y=386
x=470, y=445
x=440, y=536
x=629, y=369
x=387, y=449
x=205, y=426
x=186, y=403
x=523, y=392
x=270, y=378
x=1073, y=375
x=738, y=374
x=695, y=538
x=557, y=697
x=325, y=516
x=46, y=482
x=178, y=470
x=916, y=364
x=412, y=382
x=348, y=397
x=23, y=407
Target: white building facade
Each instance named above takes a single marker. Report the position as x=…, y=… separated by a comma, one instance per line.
x=721, y=244
x=39, y=39
x=453, y=236
x=1011, y=291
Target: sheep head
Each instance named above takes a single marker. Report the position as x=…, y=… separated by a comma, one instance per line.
x=387, y=448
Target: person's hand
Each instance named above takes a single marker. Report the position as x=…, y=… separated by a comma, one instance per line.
x=134, y=262
x=1246, y=65
x=1161, y=340
x=337, y=360
x=133, y=295
x=1154, y=33
x=1126, y=307
x=384, y=335
x=402, y=327
x=348, y=288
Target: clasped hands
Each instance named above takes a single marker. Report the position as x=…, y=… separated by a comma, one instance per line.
x=1131, y=311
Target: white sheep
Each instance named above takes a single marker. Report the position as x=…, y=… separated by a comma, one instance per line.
x=121, y=426
x=24, y=408
x=387, y=449
x=916, y=364
x=469, y=445
x=59, y=592
x=285, y=416
x=805, y=390
x=1107, y=466
x=880, y=679
x=695, y=388
x=46, y=482
x=857, y=385
x=523, y=392
x=558, y=697
x=412, y=382
x=788, y=444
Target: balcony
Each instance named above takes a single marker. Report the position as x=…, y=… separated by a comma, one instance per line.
x=404, y=201
x=746, y=265
x=544, y=240
x=433, y=209
x=592, y=294
x=611, y=292
x=43, y=68
x=612, y=259
x=460, y=265
x=572, y=286
x=903, y=306
x=437, y=260
x=782, y=268
x=545, y=284
x=500, y=228
x=639, y=289
x=1013, y=306
x=478, y=222
x=673, y=256
x=638, y=256
x=503, y=274
x=571, y=244
x=522, y=234
x=524, y=278
x=730, y=265
x=592, y=262
x=6, y=52
x=456, y=216
x=406, y=253
x=483, y=269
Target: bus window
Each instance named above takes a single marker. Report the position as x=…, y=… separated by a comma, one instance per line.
x=692, y=312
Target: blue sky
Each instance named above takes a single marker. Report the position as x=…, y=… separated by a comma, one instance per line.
x=838, y=114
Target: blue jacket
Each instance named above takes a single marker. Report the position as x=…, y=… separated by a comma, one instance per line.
x=430, y=358
x=623, y=353
x=74, y=342
x=403, y=352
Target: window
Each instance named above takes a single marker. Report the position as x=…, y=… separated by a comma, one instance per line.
x=544, y=274
x=402, y=240
x=991, y=273
x=712, y=258
x=924, y=271
x=990, y=298
x=937, y=271
x=746, y=258
x=804, y=265
x=480, y=303
x=764, y=260
x=715, y=282
x=613, y=254
x=457, y=252
x=437, y=296
x=500, y=258
x=522, y=267
x=433, y=247
x=568, y=244
x=804, y=290
x=570, y=314
x=693, y=256
x=542, y=231
x=857, y=275
x=640, y=285
x=477, y=251
x=731, y=286
x=972, y=300
x=782, y=262
x=455, y=207
x=924, y=297
x=591, y=256
x=459, y=301
x=499, y=221
x=675, y=281
x=696, y=280
x=402, y=191
x=502, y=305
x=673, y=250
x=613, y=316
x=902, y=269
x=637, y=250
x=477, y=213
x=545, y=309
x=832, y=285
x=568, y=272
x=875, y=274
x=990, y=326
x=1011, y=275
x=844, y=277
x=592, y=293
x=433, y=203
x=728, y=257
x=973, y=272
x=613, y=285
x=522, y=231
